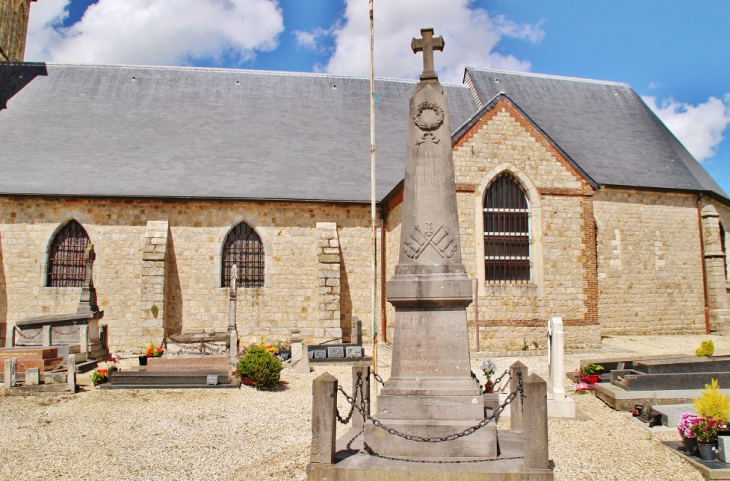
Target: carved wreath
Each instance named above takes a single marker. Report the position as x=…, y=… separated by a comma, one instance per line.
x=428, y=124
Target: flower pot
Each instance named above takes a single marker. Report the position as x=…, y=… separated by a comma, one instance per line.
x=593, y=378
x=583, y=378
x=489, y=386
x=707, y=451
x=142, y=360
x=690, y=446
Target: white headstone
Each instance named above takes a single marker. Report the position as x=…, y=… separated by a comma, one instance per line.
x=299, y=356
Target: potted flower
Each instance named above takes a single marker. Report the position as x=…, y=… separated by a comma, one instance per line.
x=489, y=368
x=706, y=433
x=591, y=371
x=153, y=351
x=99, y=376
x=112, y=364
x=684, y=426
x=284, y=348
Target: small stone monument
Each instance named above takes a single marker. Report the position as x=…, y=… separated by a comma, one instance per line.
x=431, y=391
x=559, y=406
x=299, y=356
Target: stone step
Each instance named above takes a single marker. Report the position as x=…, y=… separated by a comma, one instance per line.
x=199, y=378
x=222, y=361
x=235, y=384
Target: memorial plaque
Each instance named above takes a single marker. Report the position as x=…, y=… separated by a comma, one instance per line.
x=353, y=351
x=320, y=354
x=212, y=379
x=336, y=352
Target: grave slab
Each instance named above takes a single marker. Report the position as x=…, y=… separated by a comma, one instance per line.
x=672, y=412
x=623, y=400
x=712, y=470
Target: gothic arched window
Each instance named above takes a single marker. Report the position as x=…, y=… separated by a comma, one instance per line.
x=506, y=232
x=243, y=248
x=66, y=262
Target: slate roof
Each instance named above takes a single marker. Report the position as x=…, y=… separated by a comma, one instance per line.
x=177, y=132
x=604, y=127
x=202, y=133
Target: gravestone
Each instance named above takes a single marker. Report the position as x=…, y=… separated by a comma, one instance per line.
x=431, y=391
x=232, y=333
x=559, y=406
x=87, y=301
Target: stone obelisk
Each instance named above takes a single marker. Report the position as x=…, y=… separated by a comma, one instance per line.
x=431, y=391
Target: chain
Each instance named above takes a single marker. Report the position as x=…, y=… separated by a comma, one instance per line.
x=519, y=383
x=370, y=451
x=499, y=379
x=450, y=437
x=55, y=329
x=349, y=443
x=18, y=362
x=351, y=400
x=20, y=333
x=378, y=378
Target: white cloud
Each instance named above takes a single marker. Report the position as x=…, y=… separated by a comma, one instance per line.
x=156, y=32
x=470, y=35
x=312, y=40
x=698, y=127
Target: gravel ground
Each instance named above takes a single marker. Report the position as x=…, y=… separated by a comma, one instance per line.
x=255, y=435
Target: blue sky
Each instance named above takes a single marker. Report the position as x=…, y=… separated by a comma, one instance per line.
x=675, y=55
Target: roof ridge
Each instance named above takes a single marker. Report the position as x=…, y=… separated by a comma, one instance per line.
x=556, y=77
x=282, y=73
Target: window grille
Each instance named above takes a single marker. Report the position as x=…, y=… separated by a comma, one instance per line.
x=506, y=232
x=243, y=247
x=66, y=264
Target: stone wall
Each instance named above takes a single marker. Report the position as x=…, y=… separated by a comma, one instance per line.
x=649, y=262
x=13, y=29
x=194, y=300
x=562, y=252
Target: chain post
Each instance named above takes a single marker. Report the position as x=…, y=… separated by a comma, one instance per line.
x=518, y=371
x=361, y=388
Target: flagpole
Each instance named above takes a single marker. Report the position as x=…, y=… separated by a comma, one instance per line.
x=374, y=402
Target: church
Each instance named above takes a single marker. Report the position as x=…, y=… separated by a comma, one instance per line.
x=574, y=201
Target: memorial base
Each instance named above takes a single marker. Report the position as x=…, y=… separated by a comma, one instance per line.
x=353, y=464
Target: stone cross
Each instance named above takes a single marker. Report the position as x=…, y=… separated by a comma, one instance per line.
x=89, y=257
x=427, y=45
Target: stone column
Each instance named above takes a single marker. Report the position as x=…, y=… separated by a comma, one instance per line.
x=361, y=369
x=328, y=282
x=71, y=370
x=299, y=354
x=46, y=335
x=152, y=299
x=232, y=332
x=517, y=371
x=715, y=277
x=559, y=406
x=536, y=423
x=10, y=373
x=324, y=428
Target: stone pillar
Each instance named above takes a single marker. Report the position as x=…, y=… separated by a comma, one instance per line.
x=715, y=277
x=152, y=299
x=46, y=335
x=71, y=370
x=536, y=423
x=324, y=428
x=10, y=374
x=299, y=354
x=232, y=332
x=328, y=282
x=559, y=406
x=517, y=371
x=32, y=376
x=356, y=332
x=363, y=393
x=10, y=336
x=84, y=338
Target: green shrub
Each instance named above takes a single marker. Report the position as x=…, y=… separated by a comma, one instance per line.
x=707, y=348
x=713, y=404
x=261, y=366
x=591, y=369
